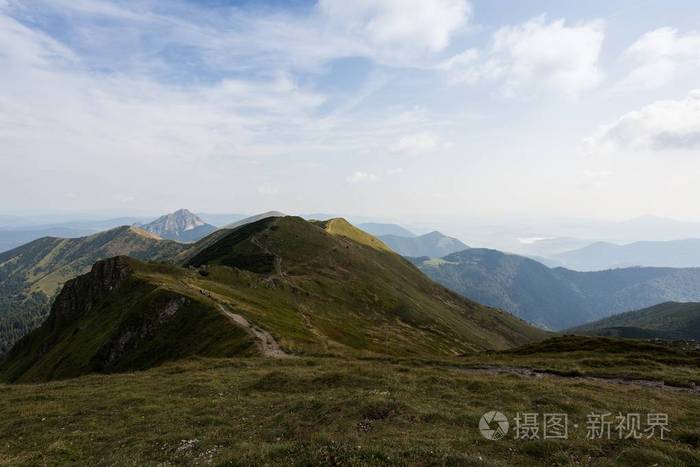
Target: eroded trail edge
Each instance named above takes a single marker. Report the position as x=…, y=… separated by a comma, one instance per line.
x=266, y=343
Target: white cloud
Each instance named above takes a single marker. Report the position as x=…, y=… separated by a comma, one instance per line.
x=362, y=177
x=662, y=126
x=660, y=55
x=426, y=24
x=535, y=55
x=74, y=126
x=394, y=32
x=418, y=143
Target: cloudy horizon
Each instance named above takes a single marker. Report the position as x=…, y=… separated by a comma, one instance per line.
x=386, y=109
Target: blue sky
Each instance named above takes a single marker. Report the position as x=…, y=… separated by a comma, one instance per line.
x=388, y=108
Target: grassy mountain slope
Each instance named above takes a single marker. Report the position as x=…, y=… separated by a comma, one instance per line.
x=558, y=298
x=123, y=315
x=669, y=320
x=31, y=275
x=433, y=245
x=335, y=288
x=342, y=228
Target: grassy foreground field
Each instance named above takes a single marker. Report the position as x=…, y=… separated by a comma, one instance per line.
x=331, y=411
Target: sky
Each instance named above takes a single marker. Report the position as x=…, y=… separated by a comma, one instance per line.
x=401, y=109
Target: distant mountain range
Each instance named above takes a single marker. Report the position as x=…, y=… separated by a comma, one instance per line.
x=379, y=230
x=433, y=244
x=601, y=255
x=275, y=286
x=14, y=235
x=664, y=321
x=557, y=298
x=10, y=239
x=181, y=226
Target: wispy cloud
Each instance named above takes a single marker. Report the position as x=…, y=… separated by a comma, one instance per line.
x=532, y=56
x=659, y=56
x=229, y=91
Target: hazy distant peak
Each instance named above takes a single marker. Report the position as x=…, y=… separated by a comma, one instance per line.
x=433, y=244
x=379, y=229
x=181, y=225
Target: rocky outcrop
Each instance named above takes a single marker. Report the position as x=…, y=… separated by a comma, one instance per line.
x=131, y=336
x=79, y=295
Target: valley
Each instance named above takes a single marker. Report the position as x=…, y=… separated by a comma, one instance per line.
x=557, y=298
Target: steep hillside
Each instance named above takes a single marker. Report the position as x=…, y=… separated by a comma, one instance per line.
x=432, y=245
x=181, y=226
x=601, y=255
x=557, y=298
x=669, y=320
x=31, y=275
x=336, y=288
x=123, y=315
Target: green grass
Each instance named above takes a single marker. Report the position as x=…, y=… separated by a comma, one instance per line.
x=345, y=229
x=311, y=411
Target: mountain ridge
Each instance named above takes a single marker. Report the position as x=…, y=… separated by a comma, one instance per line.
x=314, y=287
